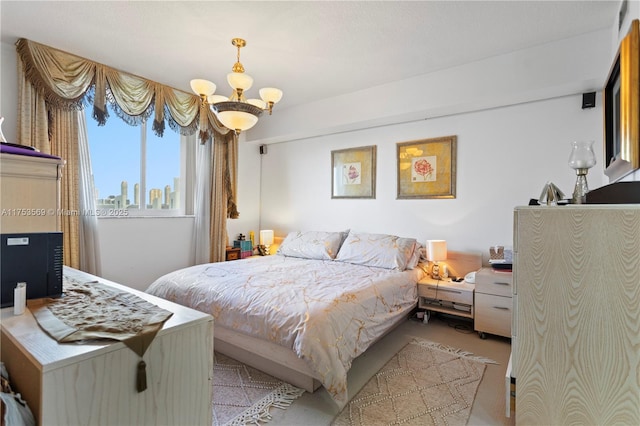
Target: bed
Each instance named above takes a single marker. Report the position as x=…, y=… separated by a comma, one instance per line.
x=304, y=313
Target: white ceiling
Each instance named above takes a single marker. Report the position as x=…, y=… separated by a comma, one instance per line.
x=309, y=49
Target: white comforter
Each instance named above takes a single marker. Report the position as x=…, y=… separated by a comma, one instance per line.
x=328, y=312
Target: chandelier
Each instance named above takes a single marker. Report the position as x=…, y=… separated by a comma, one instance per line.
x=236, y=112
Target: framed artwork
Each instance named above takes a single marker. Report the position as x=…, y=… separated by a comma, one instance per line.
x=427, y=168
x=621, y=106
x=353, y=172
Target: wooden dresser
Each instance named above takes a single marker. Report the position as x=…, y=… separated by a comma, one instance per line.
x=576, y=324
x=69, y=384
x=29, y=193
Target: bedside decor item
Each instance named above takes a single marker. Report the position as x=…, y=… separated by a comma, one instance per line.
x=266, y=239
x=437, y=251
x=550, y=195
x=621, y=109
x=582, y=158
x=232, y=253
x=353, y=172
x=427, y=168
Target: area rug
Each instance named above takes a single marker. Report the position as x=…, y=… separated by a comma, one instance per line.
x=243, y=395
x=426, y=383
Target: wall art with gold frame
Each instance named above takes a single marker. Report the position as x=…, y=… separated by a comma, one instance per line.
x=353, y=172
x=621, y=105
x=427, y=168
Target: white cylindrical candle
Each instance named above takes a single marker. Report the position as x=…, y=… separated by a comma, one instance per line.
x=19, y=298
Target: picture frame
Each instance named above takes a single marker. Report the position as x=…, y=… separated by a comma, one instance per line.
x=427, y=168
x=621, y=105
x=353, y=172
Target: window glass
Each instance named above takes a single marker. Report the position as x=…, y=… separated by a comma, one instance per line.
x=163, y=170
x=133, y=169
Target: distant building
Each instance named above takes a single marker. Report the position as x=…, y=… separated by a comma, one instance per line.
x=158, y=199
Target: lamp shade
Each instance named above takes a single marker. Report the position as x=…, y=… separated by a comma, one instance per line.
x=266, y=237
x=237, y=120
x=202, y=87
x=271, y=94
x=239, y=80
x=582, y=155
x=436, y=250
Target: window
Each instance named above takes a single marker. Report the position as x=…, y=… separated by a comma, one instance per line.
x=135, y=172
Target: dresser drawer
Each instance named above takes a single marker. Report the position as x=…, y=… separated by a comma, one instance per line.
x=499, y=283
x=448, y=293
x=493, y=314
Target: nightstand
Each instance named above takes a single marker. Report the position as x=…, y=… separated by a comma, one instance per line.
x=446, y=296
x=493, y=302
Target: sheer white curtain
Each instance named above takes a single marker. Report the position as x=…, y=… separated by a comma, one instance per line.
x=202, y=202
x=89, y=242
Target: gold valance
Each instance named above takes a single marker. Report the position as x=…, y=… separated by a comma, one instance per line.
x=64, y=80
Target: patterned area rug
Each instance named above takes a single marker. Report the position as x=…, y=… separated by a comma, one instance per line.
x=243, y=395
x=426, y=383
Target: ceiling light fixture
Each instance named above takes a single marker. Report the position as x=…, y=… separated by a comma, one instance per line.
x=236, y=112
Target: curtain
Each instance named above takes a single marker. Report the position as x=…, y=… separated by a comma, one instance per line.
x=202, y=205
x=65, y=129
x=89, y=243
x=53, y=86
x=221, y=196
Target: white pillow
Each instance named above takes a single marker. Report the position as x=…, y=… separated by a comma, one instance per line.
x=312, y=244
x=378, y=250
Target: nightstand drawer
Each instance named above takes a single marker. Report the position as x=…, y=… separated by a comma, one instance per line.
x=446, y=293
x=493, y=314
x=489, y=281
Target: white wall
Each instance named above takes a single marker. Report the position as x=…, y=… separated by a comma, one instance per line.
x=504, y=158
x=136, y=251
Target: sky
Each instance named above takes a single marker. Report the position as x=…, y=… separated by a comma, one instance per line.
x=115, y=156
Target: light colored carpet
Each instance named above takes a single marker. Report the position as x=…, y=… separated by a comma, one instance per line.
x=425, y=383
x=243, y=395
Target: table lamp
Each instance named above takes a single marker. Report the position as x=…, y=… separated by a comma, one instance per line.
x=266, y=239
x=437, y=251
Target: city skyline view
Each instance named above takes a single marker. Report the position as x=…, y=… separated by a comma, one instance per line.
x=166, y=198
x=115, y=158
